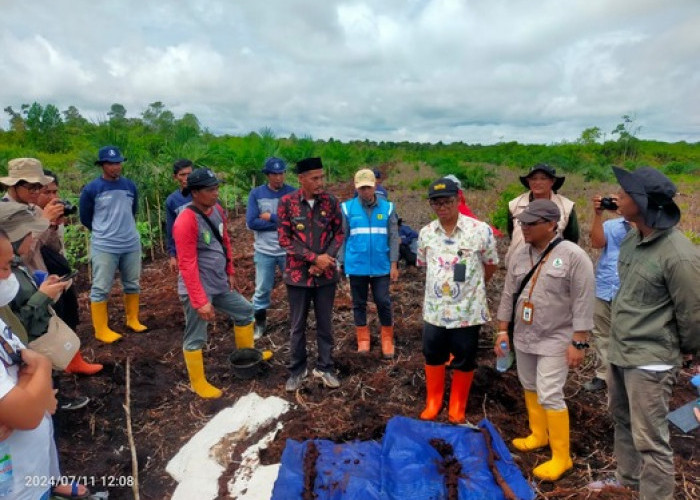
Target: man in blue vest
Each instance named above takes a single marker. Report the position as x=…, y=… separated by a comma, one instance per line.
x=369, y=256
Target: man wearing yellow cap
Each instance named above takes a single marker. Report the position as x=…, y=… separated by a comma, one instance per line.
x=369, y=257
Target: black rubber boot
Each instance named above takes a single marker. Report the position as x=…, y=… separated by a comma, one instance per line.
x=260, y=323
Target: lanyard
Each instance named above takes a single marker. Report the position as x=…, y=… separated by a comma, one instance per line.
x=540, y=264
x=14, y=355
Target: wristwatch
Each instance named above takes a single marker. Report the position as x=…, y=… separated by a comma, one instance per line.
x=580, y=345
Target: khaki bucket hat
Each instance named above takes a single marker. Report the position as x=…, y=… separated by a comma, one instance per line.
x=25, y=169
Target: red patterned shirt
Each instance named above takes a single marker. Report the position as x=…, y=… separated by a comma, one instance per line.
x=305, y=232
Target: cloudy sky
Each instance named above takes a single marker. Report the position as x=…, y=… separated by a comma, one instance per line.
x=420, y=70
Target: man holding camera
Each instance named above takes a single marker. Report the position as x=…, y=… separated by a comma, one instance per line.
x=607, y=236
x=108, y=209
x=24, y=182
x=460, y=255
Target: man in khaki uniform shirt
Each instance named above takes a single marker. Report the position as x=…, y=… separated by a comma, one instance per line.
x=553, y=316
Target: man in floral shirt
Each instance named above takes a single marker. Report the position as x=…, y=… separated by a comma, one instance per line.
x=311, y=232
x=460, y=254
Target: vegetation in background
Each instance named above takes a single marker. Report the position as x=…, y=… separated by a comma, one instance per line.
x=67, y=143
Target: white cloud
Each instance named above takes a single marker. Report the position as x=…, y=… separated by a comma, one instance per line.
x=395, y=70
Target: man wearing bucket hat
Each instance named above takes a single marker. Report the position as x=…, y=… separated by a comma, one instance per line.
x=655, y=321
x=311, y=232
x=369, y=257
x=261, y=218
x=108, y=207
x=548, y=300
x=203, y=252
x=24, y=182
x=542, y=182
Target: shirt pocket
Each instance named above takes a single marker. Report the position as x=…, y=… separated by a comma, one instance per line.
x=650, y=288
x=557, y=280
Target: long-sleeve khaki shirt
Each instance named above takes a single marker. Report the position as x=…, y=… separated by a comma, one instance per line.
x=563, y=298
x=656, y=312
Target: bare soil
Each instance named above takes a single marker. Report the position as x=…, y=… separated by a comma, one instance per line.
x=165, y=413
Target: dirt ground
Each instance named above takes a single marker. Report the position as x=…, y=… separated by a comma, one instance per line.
x=165, y=413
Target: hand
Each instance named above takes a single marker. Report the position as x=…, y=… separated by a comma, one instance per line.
x=232, y=285
x=33, y=362
x=52, y=287
x=324, y=261
x=574, y=356
x=266, y=216
x=596, y=204
x=394, y=273
x=696, y=410
x=206, y=312
x=53, y=210
x=5, y=432
x=314, y=270
x=173, y=263
x=501, y=337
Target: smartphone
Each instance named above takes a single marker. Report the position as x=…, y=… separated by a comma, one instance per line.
x=460, y=272
x=68, y=276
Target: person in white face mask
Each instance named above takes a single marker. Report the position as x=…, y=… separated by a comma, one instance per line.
x=27, y=399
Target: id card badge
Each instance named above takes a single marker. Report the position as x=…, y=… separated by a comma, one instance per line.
x=528, y=312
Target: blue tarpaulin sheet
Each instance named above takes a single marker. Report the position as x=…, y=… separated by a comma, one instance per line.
x=404, y=466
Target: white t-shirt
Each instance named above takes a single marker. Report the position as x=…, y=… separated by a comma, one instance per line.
x=31, y=450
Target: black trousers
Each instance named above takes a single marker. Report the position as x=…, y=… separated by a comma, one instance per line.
x=462, y=343
x=406, y=254
x=359, y=286
x=300, y=299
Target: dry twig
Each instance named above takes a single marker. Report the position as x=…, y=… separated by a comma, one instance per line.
x=130, y=434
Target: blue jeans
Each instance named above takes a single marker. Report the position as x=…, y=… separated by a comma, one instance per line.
x=105, y=264
x=265, y=277
x=231, y=303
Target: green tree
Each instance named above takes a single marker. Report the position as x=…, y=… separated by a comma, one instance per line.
x=627, y=137
x=590, y=136
x=117, y=113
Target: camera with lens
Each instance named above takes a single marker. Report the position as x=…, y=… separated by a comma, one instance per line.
x=68, y=207
x=608, y=203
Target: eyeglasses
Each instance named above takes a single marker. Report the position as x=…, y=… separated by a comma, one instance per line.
x=444, y=202
x=532, y=224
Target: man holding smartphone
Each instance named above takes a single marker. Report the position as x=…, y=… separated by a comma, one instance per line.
x=460, y=255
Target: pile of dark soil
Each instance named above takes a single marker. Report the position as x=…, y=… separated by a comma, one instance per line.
x=165, y=413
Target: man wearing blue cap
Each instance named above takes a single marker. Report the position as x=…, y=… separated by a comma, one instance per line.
x=108, y=209
x=261, y=218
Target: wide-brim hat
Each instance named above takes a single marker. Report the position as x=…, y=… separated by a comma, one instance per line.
x=18, y=220
x=546, y=169
x=653, y=194
x=200, y=178
x=109, y=154
x=25, y=169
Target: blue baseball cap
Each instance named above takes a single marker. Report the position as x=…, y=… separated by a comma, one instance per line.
x=274, y=165
x=109, y=154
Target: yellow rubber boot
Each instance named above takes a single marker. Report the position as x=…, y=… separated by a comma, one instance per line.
x=558, y=423
x=131, y=308
x=244, y=336
x=100, y=324
x=538, y=425
x=198, y=382
x=362, y=338
x=435, y=389
x=387, y=342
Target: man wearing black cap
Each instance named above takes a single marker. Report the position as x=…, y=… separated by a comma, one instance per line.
x=548, y=295
x=108, y=207
x=542, y=182
x=175, y=203
x=460, y=255
x=204, y=251
x=261, y=218
x=311, y=232
x=655, y=320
